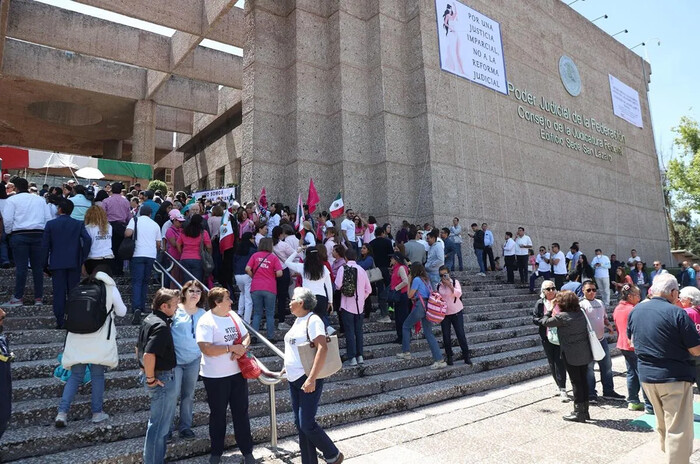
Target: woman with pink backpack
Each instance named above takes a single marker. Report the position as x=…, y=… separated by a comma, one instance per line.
x=420, y=293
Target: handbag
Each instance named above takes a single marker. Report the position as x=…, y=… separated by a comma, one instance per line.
x=307, y=354
x=596, y=348
x=375, y=274
x=552, y=335
x=250, y=369
x=128, y=245
x=207, y=259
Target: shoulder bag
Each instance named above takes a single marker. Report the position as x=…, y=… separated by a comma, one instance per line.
x=596, y=348
x=307, y=354
x=207, y=259
x=374, y=274
x=250, y=369
x=128, y=245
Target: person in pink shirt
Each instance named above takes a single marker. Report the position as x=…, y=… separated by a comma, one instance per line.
x=689, y=298
x=630, y=296
x=189, y=243
x=245, y=224
x=451, y=292
x=264, y=268
x=352, y=303
x=171, y=237
x=398, y=292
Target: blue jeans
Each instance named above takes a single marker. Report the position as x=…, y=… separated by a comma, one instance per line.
x=457, y=254
x=4, y=253
x=77, y=373
x=418, y=314
x=633, y=382
x=354, y=336
x=434, y=278
x=185, y=383
x=194, y=266
x=606, y=376
x=480, y=259
x=163, y=403
x=26, y=248
x=141, y=269
x=311, y=435
x=264, y=301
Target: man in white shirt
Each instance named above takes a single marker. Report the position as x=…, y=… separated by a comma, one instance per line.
x=347, y=230
x=522, y=246
x=273, y=219
x=558, y=262
x=456, y=235
x=488, y=247
x=601, y=267
x=597, y=316
x=634, y=258
x=542, y=268
x=148, y=240
x=420, y=238
x=509, y=256
x=24, y=217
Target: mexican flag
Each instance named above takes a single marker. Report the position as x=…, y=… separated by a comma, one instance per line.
x=299, y=223
x=337, y=207
x=226, y=236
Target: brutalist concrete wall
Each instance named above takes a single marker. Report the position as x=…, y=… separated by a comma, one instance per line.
x=490, y=165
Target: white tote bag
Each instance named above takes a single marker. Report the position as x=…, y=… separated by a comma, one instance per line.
x=596, y=348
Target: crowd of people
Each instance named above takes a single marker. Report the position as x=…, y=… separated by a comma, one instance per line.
x=310, y=267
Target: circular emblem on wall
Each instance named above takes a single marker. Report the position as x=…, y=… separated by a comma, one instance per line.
x=569, y=75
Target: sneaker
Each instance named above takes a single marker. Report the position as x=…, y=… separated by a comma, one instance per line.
x=13, y=303
x=136, y=319
x=99, y=417
x=187, y=434
x=438, y=365
x=406, y=355
x=384, y=319
x=649, y=411
x=283, y=326
x=61, y=419
x=351, y=362
x=593, y=399
x=563, y=396
x=360, y=360
x=38, y=302
x=613, y=396
x=635, y=407
x=481, y=274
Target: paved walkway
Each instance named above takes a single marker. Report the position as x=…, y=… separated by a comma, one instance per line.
x=517, y=424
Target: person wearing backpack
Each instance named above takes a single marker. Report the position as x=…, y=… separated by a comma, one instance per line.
x=354, y=288
x=420, y=293
x=99, y=348
x=67, y=243
x=451, y=292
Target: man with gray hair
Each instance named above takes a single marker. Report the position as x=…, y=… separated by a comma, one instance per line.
x=664, y=338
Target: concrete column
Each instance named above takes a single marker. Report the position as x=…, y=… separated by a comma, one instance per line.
x=144, y=138
x=112, y=149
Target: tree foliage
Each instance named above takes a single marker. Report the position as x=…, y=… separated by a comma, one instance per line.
x=682, y=186
x=158, y=185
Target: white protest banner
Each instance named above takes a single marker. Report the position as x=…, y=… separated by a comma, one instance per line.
x=224, y=194
x=625, y=101
x=470, y=45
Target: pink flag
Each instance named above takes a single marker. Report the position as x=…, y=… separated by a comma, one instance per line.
x=263, y=199
x=312, y=200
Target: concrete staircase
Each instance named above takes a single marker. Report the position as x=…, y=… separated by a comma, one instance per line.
x=504, y=346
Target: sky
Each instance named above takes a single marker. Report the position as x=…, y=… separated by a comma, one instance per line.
x=675, y=67
x=673, y=91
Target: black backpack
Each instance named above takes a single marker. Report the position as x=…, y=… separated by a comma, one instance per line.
x=349, y=286
x=86, y=310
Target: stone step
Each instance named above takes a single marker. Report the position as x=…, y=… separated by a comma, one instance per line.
x=387, y=393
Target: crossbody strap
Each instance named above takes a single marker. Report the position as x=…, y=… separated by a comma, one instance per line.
x=238, y=329
x=260, y=262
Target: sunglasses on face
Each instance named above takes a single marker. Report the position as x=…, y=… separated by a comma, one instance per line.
x=549, y=289
x=589, y=290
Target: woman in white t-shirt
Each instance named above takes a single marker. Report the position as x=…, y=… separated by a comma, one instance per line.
x=305, y=391
x=223, y=339
x=100, y=231
x=315, y=277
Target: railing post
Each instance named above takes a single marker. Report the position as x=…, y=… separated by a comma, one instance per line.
x=273, y=420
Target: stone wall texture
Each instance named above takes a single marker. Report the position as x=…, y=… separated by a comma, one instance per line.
x=350, y=93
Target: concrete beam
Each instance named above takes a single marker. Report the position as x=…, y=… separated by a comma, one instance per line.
x=4, y=14
x=164, y=140
x=189, y=16
x=230, y=29
x=174, y=120
x=66, y=30
x=35, y=62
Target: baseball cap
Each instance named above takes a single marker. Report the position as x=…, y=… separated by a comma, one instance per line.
x=175, y=215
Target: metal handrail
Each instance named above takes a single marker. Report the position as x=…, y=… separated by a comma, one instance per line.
x=270, y=381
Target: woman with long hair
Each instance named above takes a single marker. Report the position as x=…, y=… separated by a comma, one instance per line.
x=640, y=278
x=283, y=250
x=338, y=262
x=359, y=230
x=546, y=304
x=163, y=212
x=398, y=292
x=244, y=251
x=245, y=224
x=449, y=23
x=188, y=244
x=315, y=277
x=584, y=271
x=621, y=279
x=264, y=268
x=100, y=231
x=419, y=293
x=308, y=237
x=451, y=292
x=171, y=235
